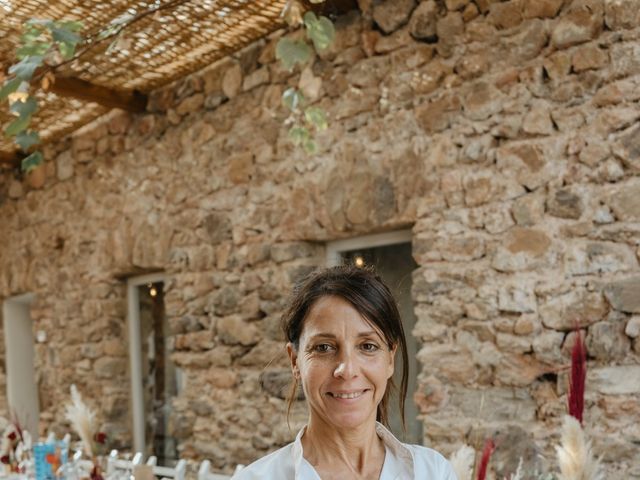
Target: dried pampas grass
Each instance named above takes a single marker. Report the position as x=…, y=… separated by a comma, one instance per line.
x=575, y=457
x=82, y=419
x=462, y=462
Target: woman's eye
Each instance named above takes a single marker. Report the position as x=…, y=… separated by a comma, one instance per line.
x=369, y=347
x=322, y=348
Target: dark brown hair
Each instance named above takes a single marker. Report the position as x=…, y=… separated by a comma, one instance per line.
x=369, y=295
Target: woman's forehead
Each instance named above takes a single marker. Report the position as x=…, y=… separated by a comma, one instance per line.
x=336, y=316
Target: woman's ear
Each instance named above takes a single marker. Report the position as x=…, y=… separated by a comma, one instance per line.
x=293, y=359
x=392, y=360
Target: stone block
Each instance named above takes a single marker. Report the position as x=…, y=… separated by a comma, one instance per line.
x=482, y=101
x=190, y=104
x=518, y=370
x=599, y=257
x=615, y=380
x=538, y=121
x=579, y=307
x=233, y=330
x=627, y=148
x=517, y=298
x=607, y=342
x=625, y=202
x=423, y=21
x=565, y=204
x=493, y=404
x=438, y=114
x=589, y=57
x=390, y=15
x=632, y=329
x=625, y=59
x=505, y=14
x=523, y=249
x=624, y=295
x=578, y=26
x=64, y=165
x=621, y=14
x=448, y=362
x=547, y=346
x=528, y=210
x=541, y=8
x=256, y=78
x=110, y=367
x=232, y=81
x=449, y=27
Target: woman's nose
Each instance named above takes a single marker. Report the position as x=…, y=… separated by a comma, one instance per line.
x=346, y=367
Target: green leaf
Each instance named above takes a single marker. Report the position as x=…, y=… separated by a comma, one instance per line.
x=290, y=52
x=25, y=68
x=28, y=107
x=62, y=35
x=319, y=30
x=17, y=126
x=310, y=146
x=71, y=25
x=26, y=140
x=292, y=98
x=31, y=162
x=30, y=36
x=9, y=87
x=34, y=49
x=299, y=134
x=316, y=117
x=67, y=50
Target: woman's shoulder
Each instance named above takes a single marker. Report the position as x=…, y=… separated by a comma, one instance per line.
x=428, y=461
x=278, y=464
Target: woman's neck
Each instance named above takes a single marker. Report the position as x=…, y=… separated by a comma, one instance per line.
x=356, y=450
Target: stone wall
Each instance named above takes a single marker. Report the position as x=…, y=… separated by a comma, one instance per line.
x=504, y=133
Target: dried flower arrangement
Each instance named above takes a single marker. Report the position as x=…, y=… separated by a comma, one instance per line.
x=576, y=459
x=16, y=445
x=83, y=421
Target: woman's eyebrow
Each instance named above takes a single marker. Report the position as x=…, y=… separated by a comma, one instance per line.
x=369, y=333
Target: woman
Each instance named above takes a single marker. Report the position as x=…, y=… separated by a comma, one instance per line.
x=343, y=330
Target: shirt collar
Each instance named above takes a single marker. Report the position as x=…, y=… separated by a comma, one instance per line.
x=391, y=443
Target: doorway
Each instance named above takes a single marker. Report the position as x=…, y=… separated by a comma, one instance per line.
x=390, y=254
x=154, y=377
x=22, y=391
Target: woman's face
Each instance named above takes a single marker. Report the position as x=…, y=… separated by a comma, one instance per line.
x=343, y=363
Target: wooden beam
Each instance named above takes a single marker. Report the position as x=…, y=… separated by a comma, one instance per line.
x=9, y=158
x=130, y=100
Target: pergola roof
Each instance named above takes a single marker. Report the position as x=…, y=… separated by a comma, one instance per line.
x=168, y=40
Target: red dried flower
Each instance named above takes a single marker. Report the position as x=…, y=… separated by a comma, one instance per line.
x=100, y=437
x=578, y=377
x=51, y=458
x=12, y=436
x=488, y=449
x=5, y=459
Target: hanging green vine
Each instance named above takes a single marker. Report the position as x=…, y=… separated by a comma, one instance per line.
x=305, y=120
x=42, y=42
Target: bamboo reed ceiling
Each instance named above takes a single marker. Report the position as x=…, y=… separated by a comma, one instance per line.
x=172, y=39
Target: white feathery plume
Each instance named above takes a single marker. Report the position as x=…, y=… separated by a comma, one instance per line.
x=462, y=462
x=82, y=420
x=575, y=457
x=518, y=474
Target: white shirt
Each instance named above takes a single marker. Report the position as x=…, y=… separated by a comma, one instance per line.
x=401, y=462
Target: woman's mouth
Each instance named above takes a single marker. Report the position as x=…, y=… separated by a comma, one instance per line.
x=347, y=395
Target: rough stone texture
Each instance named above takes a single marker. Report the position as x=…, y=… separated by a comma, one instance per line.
x=507, y=137
x=623, y=295
x=391, y=14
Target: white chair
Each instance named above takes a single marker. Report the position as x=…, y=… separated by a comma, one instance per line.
x=176, y=473
x=116, y=465
x=205, y=473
